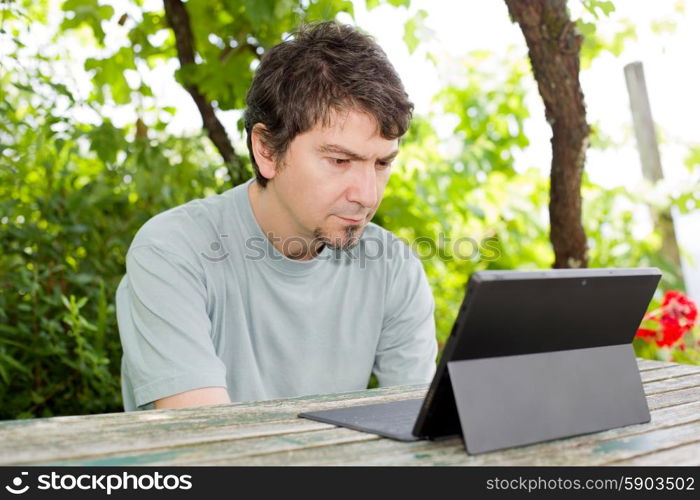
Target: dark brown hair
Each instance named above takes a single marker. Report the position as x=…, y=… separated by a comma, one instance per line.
x=324, y=67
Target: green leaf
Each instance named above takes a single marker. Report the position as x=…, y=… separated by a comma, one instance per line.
x=598, y=7
x=109, y=72
x=663, y=26
x=322, y=10
x=68, y=305
x=411, y=28
x=89, y=12
x=10, y=361
x=260, y=12
x=106, y=141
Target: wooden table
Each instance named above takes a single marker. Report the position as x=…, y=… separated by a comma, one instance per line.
x=269, y=433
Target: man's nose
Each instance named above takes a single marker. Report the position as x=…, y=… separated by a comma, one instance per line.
x=363, y=188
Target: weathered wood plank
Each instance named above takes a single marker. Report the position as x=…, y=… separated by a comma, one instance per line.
x=56, y=439
x=270, y=432
x=582, y=450
x=688, y=454
x=672, y=384
x=276, y=450
x=652, y=364
x=604, y=452
x=185, y=414
x=204, y=454
x=668, y=372
x=673, y=398
x=573, y=451
x=56, y=450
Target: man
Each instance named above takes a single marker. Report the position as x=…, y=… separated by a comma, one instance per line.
x=281, y=286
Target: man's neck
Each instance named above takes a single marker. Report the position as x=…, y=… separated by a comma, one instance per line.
x=278, y=225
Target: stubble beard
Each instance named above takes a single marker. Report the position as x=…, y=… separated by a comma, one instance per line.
x=348, y=242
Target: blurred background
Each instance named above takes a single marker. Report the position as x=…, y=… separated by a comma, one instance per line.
x=102, y=106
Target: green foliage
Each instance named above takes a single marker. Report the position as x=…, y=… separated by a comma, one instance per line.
x=609, y=221
x=594, y=44
x=23, y=10
x=411, y=29
x=663, y=26
x=88, y=12
x=108, y=73
x=72, y=195
x=229, y=38
x=623, y=30
x=599, y=8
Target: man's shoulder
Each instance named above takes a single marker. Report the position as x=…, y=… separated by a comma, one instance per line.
x=191, y=224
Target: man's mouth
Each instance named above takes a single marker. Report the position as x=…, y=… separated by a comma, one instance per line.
x=349, y=220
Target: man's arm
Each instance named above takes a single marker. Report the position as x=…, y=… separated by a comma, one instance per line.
x=407, y=346
x=199, y=397
x=165, y=330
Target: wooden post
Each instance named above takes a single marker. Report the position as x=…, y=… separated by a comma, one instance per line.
x=648, y=148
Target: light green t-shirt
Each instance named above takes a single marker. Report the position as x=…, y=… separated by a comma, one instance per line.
x=207, y=300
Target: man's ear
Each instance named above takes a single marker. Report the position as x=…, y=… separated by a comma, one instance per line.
x=263, y=156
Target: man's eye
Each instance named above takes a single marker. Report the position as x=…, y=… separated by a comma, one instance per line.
x=383, y=164
x=339, y=161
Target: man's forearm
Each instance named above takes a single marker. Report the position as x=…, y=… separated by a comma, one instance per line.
x=198, y=397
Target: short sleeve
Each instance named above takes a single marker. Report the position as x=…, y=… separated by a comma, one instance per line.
x=164, y=327
x=407, y=345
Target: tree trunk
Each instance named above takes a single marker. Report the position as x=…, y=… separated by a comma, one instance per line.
x=554, y=45
x=179, y=21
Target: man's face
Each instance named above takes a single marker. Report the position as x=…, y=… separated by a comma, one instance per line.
x=332, y=178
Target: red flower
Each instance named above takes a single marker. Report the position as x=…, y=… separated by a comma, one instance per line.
x=671, y=331
x=680, y=306
x=677, y=315
x=646, y=333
